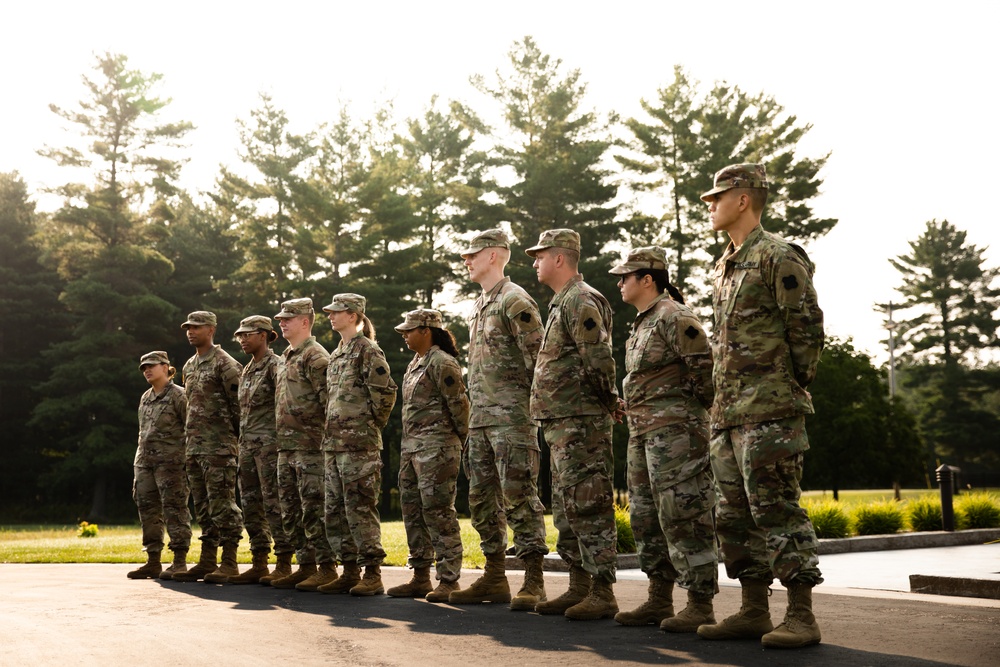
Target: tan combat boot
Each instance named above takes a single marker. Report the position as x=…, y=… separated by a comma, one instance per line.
x=533, y=589
x=371, y=583
x=599, y=603
x=698, y=612
x=256, y=571
x=179, y=565
x=658, y=606
x=348, y=580
x=579, y=587
x=442, y=592
x=305, y=571
x=151, y=570
x=282, y=569
x=206, y=565
x=491, y=587
x=752, y=621
x=227, y=568
x=799, y=627
x=325, y=574
x=418, y=586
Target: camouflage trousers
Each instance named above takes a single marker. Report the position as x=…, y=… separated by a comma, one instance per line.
x=428, y=482
x=763, y=531
x=212, y=480
x=258, y=478
x=161, y=496
x=301, y=495
x=353, y=524
x=502, y=463
x=583, y=492
x=670, y=506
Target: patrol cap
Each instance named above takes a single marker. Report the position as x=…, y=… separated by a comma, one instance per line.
x=650, y=257
x=295, y=307
x=421, y=317
x=555, y=238
x=747, y=175
x=257, y=323
x=355, y=303
x=153, y=358
x=491, y=238
x=200, y=318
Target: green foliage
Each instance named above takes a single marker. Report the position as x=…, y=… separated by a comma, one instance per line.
x=977, y=510
x=878, y=518
x=87, y=529
x=828, y=517
x=924, y=513
x=626, y=540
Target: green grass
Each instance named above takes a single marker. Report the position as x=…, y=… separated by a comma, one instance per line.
x=123, y=544
x=863, y=496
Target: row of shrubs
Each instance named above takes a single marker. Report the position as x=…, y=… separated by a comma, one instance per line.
x=831, y=519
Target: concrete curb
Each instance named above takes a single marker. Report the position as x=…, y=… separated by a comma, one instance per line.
x=938, y=538
x=955, y=586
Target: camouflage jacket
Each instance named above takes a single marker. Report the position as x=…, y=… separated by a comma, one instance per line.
x=768, y=333
x=257, y=426
x=211, y=384
x=575, y=373
x=360, y=393
x=300, y=396
x=505, y=332
x=161, y=427
x=435, y=407
x=669, y=367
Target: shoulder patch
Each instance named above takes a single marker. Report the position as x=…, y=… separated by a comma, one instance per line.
x=449, y=381
x=791, y=283
x=380, y=370
x=691, y=338
x=525, y=316
x=589, y=323
x=691, y=332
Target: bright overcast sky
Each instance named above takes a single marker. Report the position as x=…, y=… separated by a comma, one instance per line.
x=900, y=93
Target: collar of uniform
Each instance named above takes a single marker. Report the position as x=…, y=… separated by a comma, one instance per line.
x=488, y=297
x=208, y=356
x=253, y=364
x=346, y=343
x=740, y=253
x=290, y=351
x=422, y=361
x=557, y=299
x=642, y=313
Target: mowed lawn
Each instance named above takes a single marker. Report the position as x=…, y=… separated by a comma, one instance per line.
x=123, y=544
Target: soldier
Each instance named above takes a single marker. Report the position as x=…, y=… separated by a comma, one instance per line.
x=258, y=457
x=211, y=384
x=667, y=392
x=435, y=429
x=300, y=409
x=767, y=340
x=361, y=394
x=502, y=457
x=573, y=398
x=160, y=489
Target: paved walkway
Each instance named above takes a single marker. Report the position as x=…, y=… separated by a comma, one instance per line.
x=94, y=615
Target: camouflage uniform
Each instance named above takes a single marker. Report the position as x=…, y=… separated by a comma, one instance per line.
x=767, y=340
x=435, y=427
x=503, y=458
x=573, y=396
x=667, y=390
x=160, y=489
x=258, y=457
x=361, y=394
x=211, y=384
x=300, y=408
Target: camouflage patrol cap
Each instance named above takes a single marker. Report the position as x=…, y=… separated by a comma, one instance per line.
x=491, y=238
x=650, y=257
x=200, y=318
x=421, y=317
x=153, y=358
x=747, y=175
x=354, y=303
x=555, y=238
x=295, y=307
x=257, y=324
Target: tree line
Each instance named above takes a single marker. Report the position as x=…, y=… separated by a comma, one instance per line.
x=379, y=206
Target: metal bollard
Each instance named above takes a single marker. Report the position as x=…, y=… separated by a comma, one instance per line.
x=946, y=483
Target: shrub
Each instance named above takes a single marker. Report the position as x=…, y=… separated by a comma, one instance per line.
x=882, y=517
x=87, y=529
x=924, y=513
x=977, y=510
x=828, y=518
x=626, y=540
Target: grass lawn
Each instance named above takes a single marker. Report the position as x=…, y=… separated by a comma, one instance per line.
x=123, y=544
x=853, y=497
